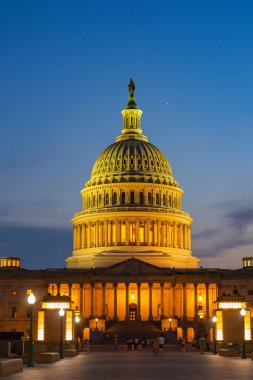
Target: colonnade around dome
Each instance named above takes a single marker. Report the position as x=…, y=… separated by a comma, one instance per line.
x=125, y=232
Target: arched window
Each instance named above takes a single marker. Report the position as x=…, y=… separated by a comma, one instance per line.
x=100, y=199
x=190, y=334
x=157, y=200
x=149, y=198
x=141, y=198
x=107, y=199
x=164, y=199
x=170, y=205
x=123, y=198
x=94, y=201
x=132, y=197
x=114, y=199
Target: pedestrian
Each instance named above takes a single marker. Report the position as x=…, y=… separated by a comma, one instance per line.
x=161, y=341
x=194, y=344
x=183, y=345
x=136, y=342
x=116, y=342
x=155, y=346
x=202, y=344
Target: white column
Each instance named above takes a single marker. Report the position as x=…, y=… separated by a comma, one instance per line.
x=139, y=301
x=115, y=317
x=162, y=299
x=207, y=300
x=150, y=317
x=148, y=232
x=106, y=233
x=196, y=301
x=127, y=301
x=103, y=298
x=138, y=232
x=184, y=301
x=158, y=233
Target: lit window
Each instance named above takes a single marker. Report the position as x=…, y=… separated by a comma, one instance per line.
x=14, y=312
x=40, y=325
x=69, y=327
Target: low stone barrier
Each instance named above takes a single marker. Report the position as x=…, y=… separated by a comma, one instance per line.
x=228, y=352
x=10, y=366
x=70, y=353
x=47, y=357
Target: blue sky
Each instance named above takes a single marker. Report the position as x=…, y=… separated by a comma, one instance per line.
x=65, y=67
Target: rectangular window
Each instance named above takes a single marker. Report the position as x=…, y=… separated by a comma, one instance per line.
x=219, y=325
x=247, y=329
x=69, y=324
x=14, y=312
x=40, y=325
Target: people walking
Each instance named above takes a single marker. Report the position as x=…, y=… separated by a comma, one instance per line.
x=155, y=346
x=161, y=341
x=202, y=344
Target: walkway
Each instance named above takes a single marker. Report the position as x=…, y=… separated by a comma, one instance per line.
x=141, y=365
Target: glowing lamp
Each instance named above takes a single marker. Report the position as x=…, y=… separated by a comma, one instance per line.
x=31, y=299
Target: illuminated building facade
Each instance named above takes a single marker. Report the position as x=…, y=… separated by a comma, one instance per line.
x=132, y=260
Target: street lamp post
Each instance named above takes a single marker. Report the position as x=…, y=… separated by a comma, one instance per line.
x=31, y=300
x=214, y=335
x=77, y=320
x=61, y=314
x=96, y=323
x=170, y=323
x=243, y=313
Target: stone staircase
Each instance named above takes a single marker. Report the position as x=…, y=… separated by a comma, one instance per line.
x=139, y=329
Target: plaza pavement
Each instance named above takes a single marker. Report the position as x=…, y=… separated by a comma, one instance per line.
x=141, y=365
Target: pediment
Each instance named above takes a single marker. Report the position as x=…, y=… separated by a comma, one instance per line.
x=135, y=267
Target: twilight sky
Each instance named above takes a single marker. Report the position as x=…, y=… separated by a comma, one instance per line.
x=64, y=72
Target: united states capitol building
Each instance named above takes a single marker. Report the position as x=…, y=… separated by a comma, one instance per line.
x=132, y=267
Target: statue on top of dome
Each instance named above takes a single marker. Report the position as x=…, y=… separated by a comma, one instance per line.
x=131, y=87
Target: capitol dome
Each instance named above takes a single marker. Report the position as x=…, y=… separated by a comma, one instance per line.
x=135, y=158
x=131, y=205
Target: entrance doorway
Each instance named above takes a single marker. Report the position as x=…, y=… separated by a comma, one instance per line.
x=132, y=312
